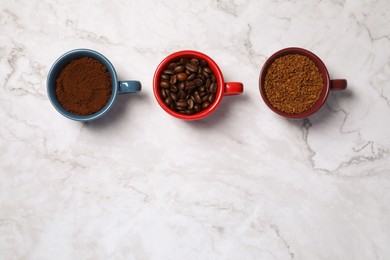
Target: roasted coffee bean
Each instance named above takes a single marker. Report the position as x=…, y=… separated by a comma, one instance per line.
x=184, y=61
x=191, y=87
x=192, y=67
x=165, y=76
x=190, y=103
x=197, y=108
x=169, y=72
x=207, y=70
x=181, y=94
x=192, y=76
x=213, y=88
x=191, y=84
x=190, y=111
x=203, y=63
x=164, y=84
x=182, y=76
x=179, y=69
x=181, y=85
x=197, y=97
x=198, y=82
x=211, y=98
x=173, y=79
x=194, y=61
x=174, y=96
x=188, y=85
x=173, y=88
x=168, y=100
x=208, y=82
x=205, y=105
x=182, y=103
x=205, y=74
x=163, y=93
x=171, y=65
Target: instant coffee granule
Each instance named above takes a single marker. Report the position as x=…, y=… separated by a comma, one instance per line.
x=293, y=83
x=83, y=87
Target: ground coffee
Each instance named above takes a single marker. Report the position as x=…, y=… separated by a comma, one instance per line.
x=188, y=86
x=293, y=83
x=84, y=86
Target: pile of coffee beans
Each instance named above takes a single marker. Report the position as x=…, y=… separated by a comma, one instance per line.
x=188, y=86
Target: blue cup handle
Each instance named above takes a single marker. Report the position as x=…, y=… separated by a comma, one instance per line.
x=129, y=86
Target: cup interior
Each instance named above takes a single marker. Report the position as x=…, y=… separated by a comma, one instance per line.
x=188, y=54
x=321, y=67
x=60, y=63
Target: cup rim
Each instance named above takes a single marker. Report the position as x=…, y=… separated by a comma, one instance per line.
x=189, y=54
x=321, y=67
x=67, y=57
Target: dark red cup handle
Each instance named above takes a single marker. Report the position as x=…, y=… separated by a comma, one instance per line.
x=233, y=88
x=338, y=84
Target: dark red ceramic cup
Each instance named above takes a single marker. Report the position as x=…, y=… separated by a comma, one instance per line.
x=335, y=84
x=224, y=88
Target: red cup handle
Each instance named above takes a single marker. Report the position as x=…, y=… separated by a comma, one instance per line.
x=233, y=88
x=338, y=84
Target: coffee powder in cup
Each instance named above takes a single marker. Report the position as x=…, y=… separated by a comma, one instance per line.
x=84, y=86
x=293, y=83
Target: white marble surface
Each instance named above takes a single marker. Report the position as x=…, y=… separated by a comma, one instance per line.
x=243, y=183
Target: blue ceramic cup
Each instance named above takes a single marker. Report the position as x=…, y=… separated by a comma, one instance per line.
x=118, y=87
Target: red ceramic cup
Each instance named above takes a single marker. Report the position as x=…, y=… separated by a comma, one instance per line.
x=335, y=84
x=224, y=88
